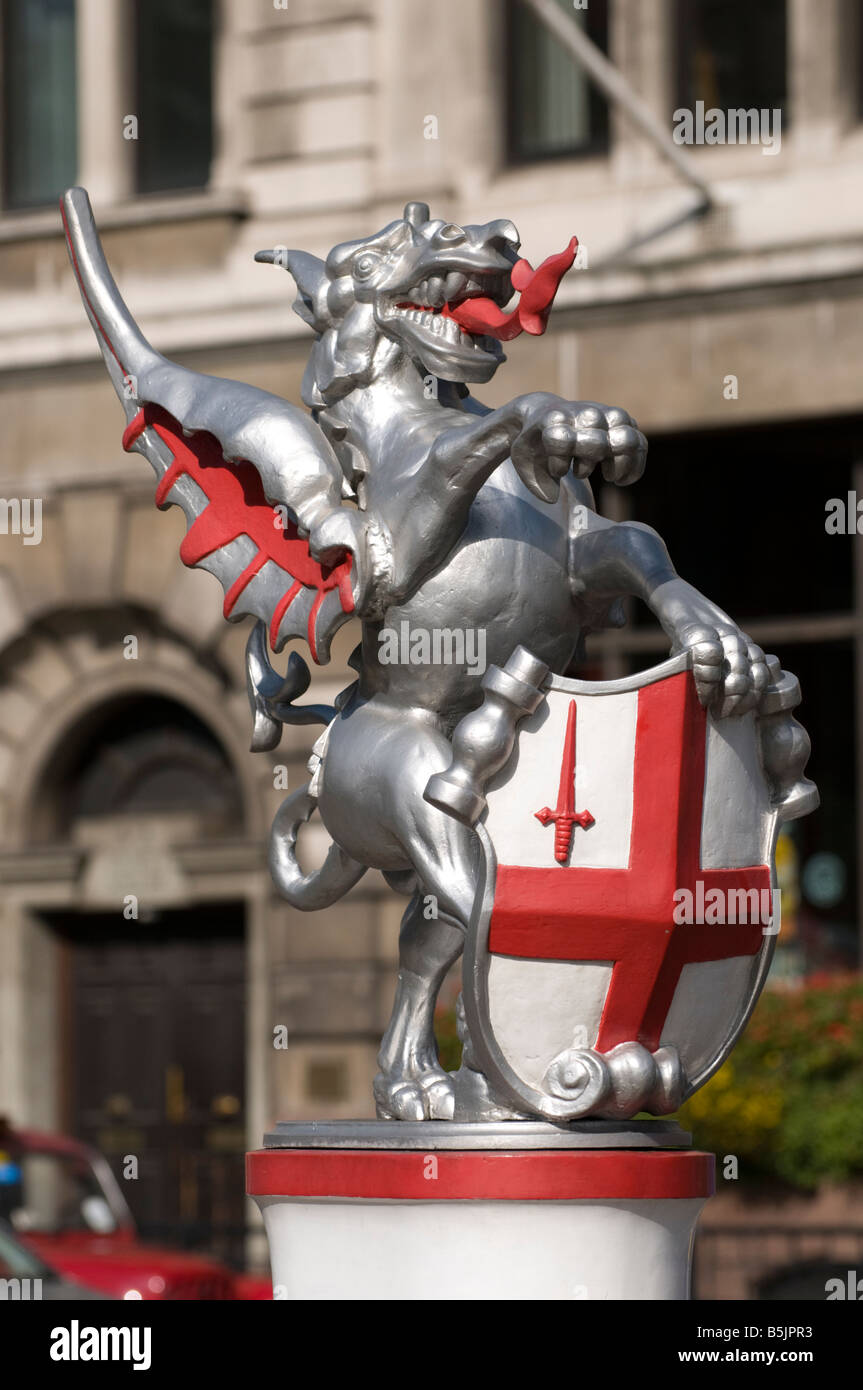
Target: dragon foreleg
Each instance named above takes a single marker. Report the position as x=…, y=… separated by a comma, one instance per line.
x=271, y=695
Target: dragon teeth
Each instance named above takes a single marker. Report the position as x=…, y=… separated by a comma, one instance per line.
x=454, y=285
x=440, y=326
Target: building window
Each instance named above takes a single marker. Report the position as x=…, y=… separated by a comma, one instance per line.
x=166, y=46
x=173, y=52
x=39, y=119
x=327, y=1079
x=732, y=54
x=553, y=109
x=852, y=31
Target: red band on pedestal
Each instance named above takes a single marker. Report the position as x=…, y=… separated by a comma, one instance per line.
x=495, y=1176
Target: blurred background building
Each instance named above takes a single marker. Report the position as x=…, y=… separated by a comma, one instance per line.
x=730, y=325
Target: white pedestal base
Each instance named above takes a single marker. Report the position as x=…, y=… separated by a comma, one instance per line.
x=471, y=1250
x=577, y=1225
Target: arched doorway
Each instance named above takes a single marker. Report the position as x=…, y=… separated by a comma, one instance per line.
x=151, y=968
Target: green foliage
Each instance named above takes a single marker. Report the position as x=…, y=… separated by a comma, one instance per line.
x=448, y=1045
x=789, y=1101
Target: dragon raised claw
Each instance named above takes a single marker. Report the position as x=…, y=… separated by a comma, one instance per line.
x=401, y=500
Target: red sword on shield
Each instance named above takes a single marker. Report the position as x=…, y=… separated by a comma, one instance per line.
x=564, y=815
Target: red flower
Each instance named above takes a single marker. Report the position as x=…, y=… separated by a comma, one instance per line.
x=840, y=1031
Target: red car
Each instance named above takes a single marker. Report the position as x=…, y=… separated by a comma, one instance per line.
x=64, y=1202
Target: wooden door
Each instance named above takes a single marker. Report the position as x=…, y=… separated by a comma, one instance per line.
x=155, y=1065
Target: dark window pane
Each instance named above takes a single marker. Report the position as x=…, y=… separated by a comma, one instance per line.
x=552, y=107
x=174, y=65
x=853, y=41
x=39, y=119
x=732, y=54
x=738, y=511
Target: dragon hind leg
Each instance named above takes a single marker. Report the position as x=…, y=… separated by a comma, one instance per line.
x=411, y=1084
x=375, y=770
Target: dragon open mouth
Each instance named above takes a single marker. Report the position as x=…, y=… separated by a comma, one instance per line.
x=459, y=308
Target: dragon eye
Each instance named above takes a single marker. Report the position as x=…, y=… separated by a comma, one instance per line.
x=364, y=266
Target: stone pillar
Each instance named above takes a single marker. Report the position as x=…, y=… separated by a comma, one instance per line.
x=641, y=46
x=419, y=130
x=106, y=96
x=820, y=79
x=28, y=1018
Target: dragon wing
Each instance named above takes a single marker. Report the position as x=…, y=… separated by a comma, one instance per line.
x=226, y=453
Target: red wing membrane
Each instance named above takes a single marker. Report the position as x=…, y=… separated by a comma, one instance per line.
x=236, y=506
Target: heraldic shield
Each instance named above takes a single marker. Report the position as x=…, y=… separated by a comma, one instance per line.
x=629, y=908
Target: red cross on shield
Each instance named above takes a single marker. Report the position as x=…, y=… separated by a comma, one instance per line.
x=657, y=923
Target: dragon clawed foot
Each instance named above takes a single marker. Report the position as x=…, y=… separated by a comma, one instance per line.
x=428, y=1094
x=730, y=670
x=558, y=434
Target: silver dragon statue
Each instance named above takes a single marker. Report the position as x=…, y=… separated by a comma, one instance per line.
x=401, y=500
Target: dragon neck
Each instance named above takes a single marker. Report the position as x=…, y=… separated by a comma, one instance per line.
x=387, y=391
x=403, y=404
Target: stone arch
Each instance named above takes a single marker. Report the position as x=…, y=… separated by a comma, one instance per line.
x=140, y=753
x=66, y=672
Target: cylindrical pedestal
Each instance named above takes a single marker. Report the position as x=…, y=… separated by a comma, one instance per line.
x=499, y=1223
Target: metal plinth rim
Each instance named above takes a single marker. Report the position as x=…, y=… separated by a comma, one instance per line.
x=430, y=1135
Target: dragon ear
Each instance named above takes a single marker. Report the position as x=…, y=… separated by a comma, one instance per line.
x=416, y=213
x=310, y=274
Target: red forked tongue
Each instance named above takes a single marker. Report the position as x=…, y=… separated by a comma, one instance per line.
x=537, y=289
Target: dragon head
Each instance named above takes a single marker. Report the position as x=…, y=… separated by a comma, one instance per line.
x=428, y=291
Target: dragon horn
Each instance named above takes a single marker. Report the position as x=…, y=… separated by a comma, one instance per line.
x=304, y=267
x=310, y=275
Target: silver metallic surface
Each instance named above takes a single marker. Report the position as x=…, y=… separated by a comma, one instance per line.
x=457, y=517
x=483, y=740
x=428, y=1135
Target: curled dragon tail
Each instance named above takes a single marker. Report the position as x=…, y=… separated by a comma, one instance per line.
x=322, y=887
